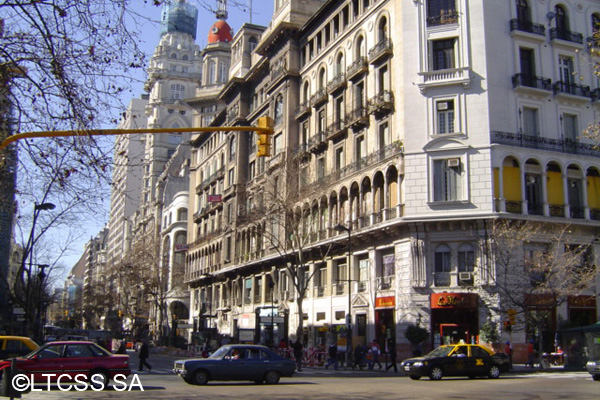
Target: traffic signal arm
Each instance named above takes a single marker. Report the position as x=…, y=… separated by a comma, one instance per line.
x=104, y=132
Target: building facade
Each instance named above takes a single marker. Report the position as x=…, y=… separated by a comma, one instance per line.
x=403, y=132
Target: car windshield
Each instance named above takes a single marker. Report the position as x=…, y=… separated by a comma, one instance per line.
x=441, y=351
x=220, y=353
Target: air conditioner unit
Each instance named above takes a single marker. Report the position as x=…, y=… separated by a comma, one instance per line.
x=442, y=105
x=454, y=162
x=465, y=276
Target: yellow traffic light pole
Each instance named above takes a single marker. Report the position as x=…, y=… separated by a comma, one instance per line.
x=264, y=128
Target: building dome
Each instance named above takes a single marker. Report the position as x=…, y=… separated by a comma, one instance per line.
x=220, y=32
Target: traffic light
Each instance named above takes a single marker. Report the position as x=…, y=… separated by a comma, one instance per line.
x=264, y=138
x=512, y=314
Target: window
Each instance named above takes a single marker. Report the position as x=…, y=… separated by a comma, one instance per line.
x=383, y=79
x=445, y=116
x=339, y=158
x=447, y=180
x=182, y=214
x=562, y=22
x=278, y=144
x=211, y=72
x=278, y=113
x=320, y=167
x=360, y=47
x=569, y=122
x=252, y=43
x=231, y=176
x=339, y=65
x=231, y=149
x=442, y=54
x=321, y=121
x=222, y=72
x=384, y=135
x=466, y=258
x=441, y=12
x=442, y=258
x=248, y=291
x=304, y=133
x=523, y=15
x=251, y=170
x=177, y=91
x=360, y=148
x=565, y=70
x=359, y=95
x=526, y=57
x=339, y=112
x=174, y=138
x=530, y=121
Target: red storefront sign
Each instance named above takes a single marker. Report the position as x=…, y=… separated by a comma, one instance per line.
x=453, y=300
x=581, y=301
x=214, y=198
x=387, y=301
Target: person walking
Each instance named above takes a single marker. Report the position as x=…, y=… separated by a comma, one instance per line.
x=375, y=350
x=391, y=348
x=143, y=355
x=333, y=353
x=298, y=354
x=530, y=354
x=358, y=357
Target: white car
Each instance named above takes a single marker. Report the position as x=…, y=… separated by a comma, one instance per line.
x=593, y=368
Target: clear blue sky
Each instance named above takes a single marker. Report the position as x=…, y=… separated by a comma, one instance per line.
x=262, y=11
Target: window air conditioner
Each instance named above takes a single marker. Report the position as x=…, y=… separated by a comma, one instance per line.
x=454, y=162
x=442, y=106
x=465, y=276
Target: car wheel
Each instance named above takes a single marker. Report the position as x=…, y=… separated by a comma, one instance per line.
x=596, y=377
x=99, y=379
x=436, y=373
x=494, y=372
x=272, y=377
x=200, y=378
x=414, y=377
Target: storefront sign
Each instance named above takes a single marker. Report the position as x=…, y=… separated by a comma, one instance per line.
x=454, y=300
x=582, y=301
x=387, y=301
x=247, y=321
x=214, y=198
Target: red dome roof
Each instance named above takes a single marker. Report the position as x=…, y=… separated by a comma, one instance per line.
x=220, y=32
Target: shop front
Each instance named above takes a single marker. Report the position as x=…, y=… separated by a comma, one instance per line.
x=582, y=310
x=385, y=319
x=454, y=318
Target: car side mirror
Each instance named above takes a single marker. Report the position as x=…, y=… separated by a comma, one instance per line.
x=36, y=357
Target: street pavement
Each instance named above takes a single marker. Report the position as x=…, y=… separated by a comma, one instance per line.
x=318, y=383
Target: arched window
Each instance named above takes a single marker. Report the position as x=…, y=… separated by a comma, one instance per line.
x=442, y=258
x=322, y=78
x=177, y=91
x=211, y=72
x=562, y=22
x=339, y=64
x=232, y=149
x=174, y=56
x=360, y=47
x=382, y=31
x=595, y=22
x=223, y=72
x=466, y=258
x=306, y=91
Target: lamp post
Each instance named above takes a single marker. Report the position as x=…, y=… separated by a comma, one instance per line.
x=28, y=251
x=39, y=332
x=341, y=228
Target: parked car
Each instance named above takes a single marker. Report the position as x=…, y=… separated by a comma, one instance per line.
x=457, y=360
x=236, y=363
x=593, y=368
x=71, y=358
x=15, y=346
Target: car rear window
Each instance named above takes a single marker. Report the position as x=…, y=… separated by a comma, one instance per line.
x=14, y=345
x=478, y=352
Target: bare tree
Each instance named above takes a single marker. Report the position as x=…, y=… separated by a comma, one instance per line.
x=537, y=266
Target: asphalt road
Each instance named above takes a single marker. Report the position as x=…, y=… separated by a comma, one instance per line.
x=161, y=384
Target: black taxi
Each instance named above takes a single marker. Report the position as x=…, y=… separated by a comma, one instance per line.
x=457, y=360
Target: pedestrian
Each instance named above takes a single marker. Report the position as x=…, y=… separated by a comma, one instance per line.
x=122, y=348
x=143, y=355
x=298, y=354
x=391, y=347
x=530, y=354
x=333, y=353
x=374, y=350
x=508, y=352
x=358, y=357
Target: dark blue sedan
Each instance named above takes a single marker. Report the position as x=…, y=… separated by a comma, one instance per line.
x=236, y=362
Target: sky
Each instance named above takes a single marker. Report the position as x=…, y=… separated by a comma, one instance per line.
x=262, y=10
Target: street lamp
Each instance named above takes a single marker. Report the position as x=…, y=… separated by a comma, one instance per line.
x=341, y=228
x=28, y=251
x=39, y=331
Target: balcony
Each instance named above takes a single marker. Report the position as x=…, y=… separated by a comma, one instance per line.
x=567, y=36
x=445, y=77
x=358, y=118
x=318, y=98
x=576, y=212
x=444, y=18
x=380, y=50
x=441, y=279
x=337, y=83
x=582, y=92
x=317, y=142
x=385, y=282
x=556, y=210
x=535, y=208
x=542, y=143
x=382, y=104
x=532, y=84
x=301, y=151
x=527, y=27
x=337, y=129
x=357, y=68
x=595, y=214
x=303, y=109
x=319, y=291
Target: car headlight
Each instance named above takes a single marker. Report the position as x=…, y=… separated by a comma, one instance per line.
x=418, y=364
x=591, y=363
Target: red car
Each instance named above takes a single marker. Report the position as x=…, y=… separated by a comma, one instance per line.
x=71, y=358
